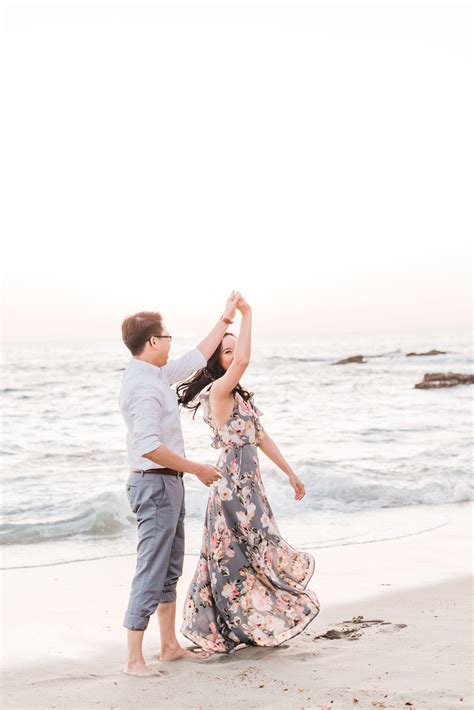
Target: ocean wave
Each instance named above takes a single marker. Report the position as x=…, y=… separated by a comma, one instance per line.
x=106, y=514
x=327, y=490
x=109, y=514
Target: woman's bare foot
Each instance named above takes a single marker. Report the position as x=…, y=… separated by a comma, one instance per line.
x=140, y=668
x=177, y=653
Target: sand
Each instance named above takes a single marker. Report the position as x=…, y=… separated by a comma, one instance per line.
x=394, y=631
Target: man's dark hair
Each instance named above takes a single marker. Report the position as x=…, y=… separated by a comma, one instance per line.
x=139, y=328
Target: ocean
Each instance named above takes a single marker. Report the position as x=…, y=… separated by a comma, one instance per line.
x=368, y=446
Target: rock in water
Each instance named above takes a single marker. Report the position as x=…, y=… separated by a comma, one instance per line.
x=431, y=352
x=354, y=358
x=444, y=379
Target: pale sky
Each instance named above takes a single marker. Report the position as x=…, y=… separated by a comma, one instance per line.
x=156, y=155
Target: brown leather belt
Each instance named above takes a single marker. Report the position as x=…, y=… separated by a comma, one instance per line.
x=162, y=471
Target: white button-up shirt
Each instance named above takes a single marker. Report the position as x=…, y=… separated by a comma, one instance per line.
x=150, y=407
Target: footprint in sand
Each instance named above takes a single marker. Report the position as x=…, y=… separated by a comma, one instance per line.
x=352, y=629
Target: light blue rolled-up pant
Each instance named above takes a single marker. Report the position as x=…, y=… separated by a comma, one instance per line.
x=158, y=502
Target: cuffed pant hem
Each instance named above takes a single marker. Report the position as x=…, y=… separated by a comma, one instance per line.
x=135, y=623
x=170, y=597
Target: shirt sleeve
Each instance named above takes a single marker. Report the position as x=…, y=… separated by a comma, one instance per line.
x=184, y=366
x=145, y=411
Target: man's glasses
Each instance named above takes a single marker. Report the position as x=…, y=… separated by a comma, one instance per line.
x=170, y=337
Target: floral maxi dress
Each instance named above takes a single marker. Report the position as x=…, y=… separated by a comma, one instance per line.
x=249, y=587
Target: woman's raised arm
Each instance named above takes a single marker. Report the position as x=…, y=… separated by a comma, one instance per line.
x=222, y=388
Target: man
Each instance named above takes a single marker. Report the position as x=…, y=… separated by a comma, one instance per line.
x=155, y=486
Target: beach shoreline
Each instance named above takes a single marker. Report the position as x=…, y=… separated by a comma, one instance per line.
x=64, y=644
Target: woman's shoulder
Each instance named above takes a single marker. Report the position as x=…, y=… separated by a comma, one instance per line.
x=249, y=402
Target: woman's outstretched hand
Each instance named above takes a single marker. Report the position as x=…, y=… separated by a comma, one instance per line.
x=297, y=486
x=243, y=306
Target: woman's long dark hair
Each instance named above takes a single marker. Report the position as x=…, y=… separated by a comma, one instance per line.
x=188, y=391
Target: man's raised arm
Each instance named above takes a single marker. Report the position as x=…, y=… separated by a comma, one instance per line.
x=183, y=367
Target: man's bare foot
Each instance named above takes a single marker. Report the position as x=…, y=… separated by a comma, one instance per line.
x=140, y=668
x=177, y=653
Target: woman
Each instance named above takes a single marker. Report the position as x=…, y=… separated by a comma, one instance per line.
x=249, y=585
